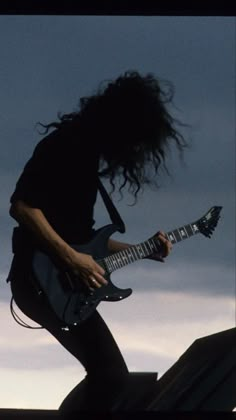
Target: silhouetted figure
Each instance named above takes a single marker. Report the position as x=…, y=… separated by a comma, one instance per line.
x=115, y=133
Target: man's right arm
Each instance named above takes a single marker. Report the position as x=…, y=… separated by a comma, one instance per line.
x=35, y=221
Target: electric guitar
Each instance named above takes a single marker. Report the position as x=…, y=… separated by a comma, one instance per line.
x=74, y=305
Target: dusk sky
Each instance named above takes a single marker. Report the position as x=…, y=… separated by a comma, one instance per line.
x=47, y=64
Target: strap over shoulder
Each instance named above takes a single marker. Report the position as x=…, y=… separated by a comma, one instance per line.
x=113, y=213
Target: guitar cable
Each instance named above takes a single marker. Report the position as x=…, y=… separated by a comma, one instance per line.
x=19, y=320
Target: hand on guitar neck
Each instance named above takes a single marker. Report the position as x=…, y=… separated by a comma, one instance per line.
x=166, y=247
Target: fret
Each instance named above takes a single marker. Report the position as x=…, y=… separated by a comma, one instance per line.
x=148, y=249
x=177, y=235
x=139, y=251
x=108, y=264
x=112, y=262
x=118, y=260
x=172, y=237
x=189, y=230
x=184, y=227
x=124, y=257
x=144, y=250
x=153, y=245
x=129, y=255
x=183, y=233
x=168, y=235
x=111, y=265
x=123, y=261
x=134, y=253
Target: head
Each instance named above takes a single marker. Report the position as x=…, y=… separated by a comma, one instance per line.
x=129, y=120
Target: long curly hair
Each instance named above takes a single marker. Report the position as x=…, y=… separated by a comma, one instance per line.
x=133, y=128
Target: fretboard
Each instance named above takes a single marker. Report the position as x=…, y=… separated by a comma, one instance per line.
x=144, y=249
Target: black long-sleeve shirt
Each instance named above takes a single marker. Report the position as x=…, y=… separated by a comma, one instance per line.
x=61, y=179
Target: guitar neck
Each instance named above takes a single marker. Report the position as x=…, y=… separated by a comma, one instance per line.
x=144, y=249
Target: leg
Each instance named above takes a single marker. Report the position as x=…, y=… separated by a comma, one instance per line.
x=91, y=343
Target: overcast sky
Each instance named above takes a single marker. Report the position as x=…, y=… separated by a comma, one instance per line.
x=47, y=63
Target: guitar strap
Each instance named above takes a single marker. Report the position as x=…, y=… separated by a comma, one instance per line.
x=113, y=213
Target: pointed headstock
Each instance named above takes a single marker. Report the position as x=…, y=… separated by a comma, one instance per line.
x=207, y=223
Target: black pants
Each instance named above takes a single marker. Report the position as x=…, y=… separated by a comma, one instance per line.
x=91, y=343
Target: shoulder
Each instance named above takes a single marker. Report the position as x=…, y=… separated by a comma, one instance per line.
x=54, y=147
x=65, y=145
x=50, y=141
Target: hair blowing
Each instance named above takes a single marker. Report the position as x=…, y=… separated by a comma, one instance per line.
x=129, y=119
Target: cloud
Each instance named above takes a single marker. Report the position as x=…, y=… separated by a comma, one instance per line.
x=169, y=313
x=152, y=330
x=37, y=389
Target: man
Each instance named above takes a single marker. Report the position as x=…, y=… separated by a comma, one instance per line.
x=116, y=133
